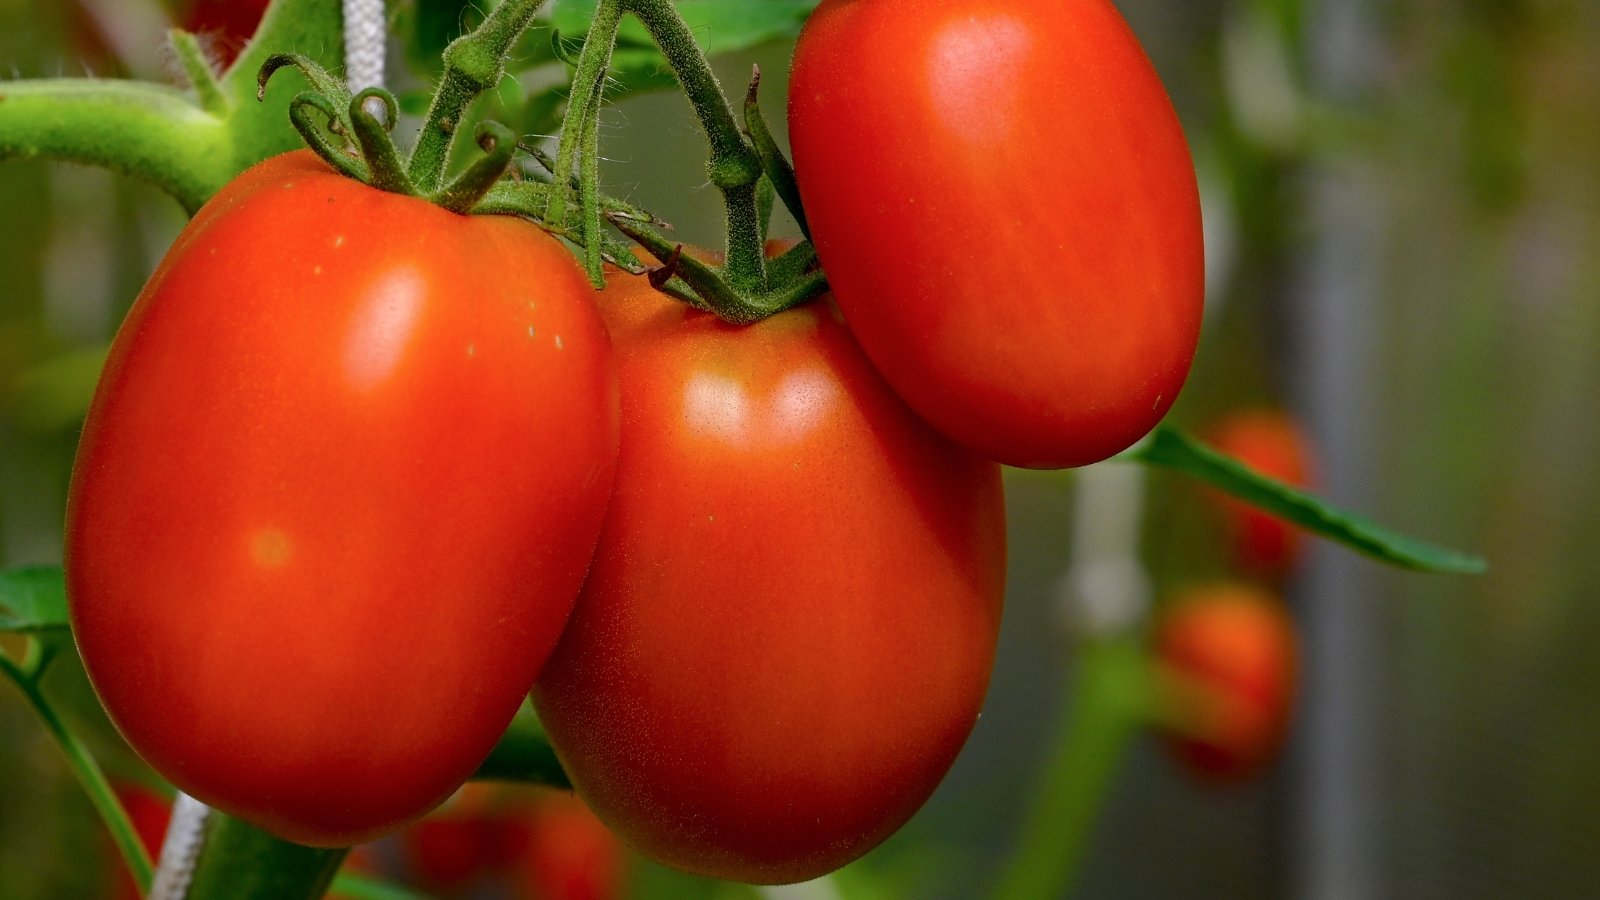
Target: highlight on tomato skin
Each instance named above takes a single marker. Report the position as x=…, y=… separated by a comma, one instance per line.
x=787, y=631
x=1226, y=664
x=1273, y=443
x=335, y=497
x=1031, y=153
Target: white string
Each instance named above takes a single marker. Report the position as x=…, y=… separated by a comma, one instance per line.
x=363, y=44
x=181, y=849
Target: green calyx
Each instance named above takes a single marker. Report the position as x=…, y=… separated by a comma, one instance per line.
x=353, y=134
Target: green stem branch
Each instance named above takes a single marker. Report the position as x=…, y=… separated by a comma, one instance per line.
x=584, y=106
x=239, y=861
x=1108, y=696
x=148, y=131
x=734, y=166
x=473, y=64
x=126, y=837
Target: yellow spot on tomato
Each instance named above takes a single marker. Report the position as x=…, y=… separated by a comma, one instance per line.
x=270, y=548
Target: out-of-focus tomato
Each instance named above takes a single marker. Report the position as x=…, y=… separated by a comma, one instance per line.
x=335, y=496
x=531, y=843
x=788, y=628
x=1028, y=151
x=1227, y=654
x=1272, y=443
x=226, y=24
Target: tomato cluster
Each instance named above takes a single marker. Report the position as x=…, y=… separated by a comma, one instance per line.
x=355, y=459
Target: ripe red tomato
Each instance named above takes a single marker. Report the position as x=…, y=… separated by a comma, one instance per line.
x=335, y=496
x=1273, y=444
x=788, y=628
x=1028, y=150
x=1229, y=652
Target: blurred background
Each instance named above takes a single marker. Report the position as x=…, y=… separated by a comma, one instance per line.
x=1402, y=204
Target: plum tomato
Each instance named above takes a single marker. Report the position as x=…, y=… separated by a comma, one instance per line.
x=335, y=497
x=787, y=631
x=1027, y=150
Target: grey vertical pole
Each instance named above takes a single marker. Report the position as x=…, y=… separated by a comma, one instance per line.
x=1334, y=848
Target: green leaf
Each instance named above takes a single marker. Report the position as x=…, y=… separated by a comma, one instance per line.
x=33, y=599
x=1172, y=449
x=721, y=26
x=353, y=886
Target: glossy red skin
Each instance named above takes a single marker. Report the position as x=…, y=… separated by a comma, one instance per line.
x=1232, y=648
x=1273, y=444
x=1030, y=153
x=335, y=497
x=788, y=628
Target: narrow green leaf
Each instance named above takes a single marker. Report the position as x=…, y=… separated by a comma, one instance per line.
x=1172, y=449
x=32, y=599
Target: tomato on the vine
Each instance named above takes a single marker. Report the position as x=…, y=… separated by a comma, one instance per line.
x=1273, y=444
x=1028, y=151
x=1230, y=651
x=788, y=627
x=335, y=497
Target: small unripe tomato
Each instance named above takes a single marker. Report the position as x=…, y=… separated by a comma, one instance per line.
x=1226, y=659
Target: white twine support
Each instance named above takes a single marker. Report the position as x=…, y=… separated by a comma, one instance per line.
x=1106, y=590
x=364, y=38
x=181, y=849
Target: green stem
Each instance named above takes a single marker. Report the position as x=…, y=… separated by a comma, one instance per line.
x=1109, y=693
x=202, y=78
x=778, y=169
x=586, y=92
x=473, y=64
x=239, y=861
x=148, y=131
x=84, y=767
x=734, y=166
x=498, y=145
x=589, y=193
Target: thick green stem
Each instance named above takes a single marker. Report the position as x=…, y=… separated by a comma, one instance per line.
x=734, y=166
x=586, y=95
x=144, y=130
x=83, y=766
x=239, y=861
x=473, y=64
x=1109, y=694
